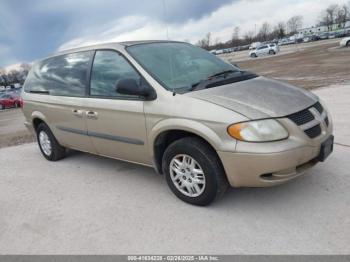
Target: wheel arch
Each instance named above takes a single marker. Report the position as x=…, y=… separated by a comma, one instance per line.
x=37, y=119
x=165, y=133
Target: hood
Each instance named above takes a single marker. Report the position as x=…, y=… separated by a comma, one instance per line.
x=258, y=98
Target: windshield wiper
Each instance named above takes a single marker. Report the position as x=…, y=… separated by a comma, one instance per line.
x=39, y=92
x=215, y=81
x=223, y=73
x=202, y=83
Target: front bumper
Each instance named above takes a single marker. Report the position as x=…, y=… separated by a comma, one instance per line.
x=273, y=163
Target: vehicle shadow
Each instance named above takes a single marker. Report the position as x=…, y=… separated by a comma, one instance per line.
x=310, y=186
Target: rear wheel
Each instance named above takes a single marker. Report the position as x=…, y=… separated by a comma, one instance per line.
x=193, y=171
x=2, y=107
x=48, y=144
x=17, y=104
x=348, y=43
x=253, y=55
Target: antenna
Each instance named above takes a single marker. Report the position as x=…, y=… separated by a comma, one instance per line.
x=165, y=15
x=167, y=37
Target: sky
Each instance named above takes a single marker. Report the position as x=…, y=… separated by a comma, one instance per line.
x=33, y=29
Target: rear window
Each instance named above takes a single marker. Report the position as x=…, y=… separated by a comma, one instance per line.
x=64, y=75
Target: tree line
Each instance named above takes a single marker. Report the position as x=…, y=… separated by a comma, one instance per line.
x=333, y=15
x=8, y=77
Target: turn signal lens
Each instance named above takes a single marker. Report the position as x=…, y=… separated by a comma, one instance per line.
x=235, y=131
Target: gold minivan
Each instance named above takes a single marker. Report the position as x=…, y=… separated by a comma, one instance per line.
x=202, y=122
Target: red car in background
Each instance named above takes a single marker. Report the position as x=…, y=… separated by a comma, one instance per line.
x=10, y=100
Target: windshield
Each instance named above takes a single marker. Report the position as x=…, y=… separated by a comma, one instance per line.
x=179, y=66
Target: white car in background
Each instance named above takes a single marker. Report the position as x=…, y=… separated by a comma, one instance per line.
x=266, y=49
x=345, y=42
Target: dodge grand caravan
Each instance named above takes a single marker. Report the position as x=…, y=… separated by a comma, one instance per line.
x=202, y=122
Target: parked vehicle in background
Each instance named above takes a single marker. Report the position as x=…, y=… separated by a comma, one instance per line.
x=286, y=41
x=315, y=38
x=2, y=88
x=10, y=100
x=340, y=34
x=345, y=42
x=324, y=36
x=331, y=35
x=17, y=85
x=306, y=39
x=267, y=49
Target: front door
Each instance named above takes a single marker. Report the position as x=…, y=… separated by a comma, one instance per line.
x=115, y=122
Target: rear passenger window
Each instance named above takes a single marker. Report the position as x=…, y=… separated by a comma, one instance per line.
x=108, y=68
x=64, y=75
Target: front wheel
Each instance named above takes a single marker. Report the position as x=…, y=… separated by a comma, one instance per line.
x=348, y=43
x=48, y=144
x=253, y=55
x=193, y=171
x=271, y=52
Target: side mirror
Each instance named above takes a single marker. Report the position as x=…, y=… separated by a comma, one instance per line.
x=129, y=86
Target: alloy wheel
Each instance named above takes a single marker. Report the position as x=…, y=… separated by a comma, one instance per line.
x=45, y=143
x=187, y=175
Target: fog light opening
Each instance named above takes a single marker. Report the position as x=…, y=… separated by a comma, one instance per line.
x=266, y=176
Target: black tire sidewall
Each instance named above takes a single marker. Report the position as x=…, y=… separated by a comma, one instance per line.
x=57, y=152
x=211, y=184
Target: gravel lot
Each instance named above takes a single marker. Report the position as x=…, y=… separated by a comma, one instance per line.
x=12, y=129
x=87, y=204
x=308, y=65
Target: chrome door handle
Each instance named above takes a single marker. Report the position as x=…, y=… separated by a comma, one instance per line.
x=91, y=115
x=77, y=113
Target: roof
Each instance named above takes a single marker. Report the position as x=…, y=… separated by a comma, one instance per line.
x=131, y=43
x=110, y=45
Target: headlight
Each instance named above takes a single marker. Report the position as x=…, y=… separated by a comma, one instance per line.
x=258, y=131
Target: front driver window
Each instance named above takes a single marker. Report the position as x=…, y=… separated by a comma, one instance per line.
x=108, y=68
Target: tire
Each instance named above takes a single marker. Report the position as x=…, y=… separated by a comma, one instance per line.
x=56, y=151
x=253, y=55
x=17, y=105
x=271, y=52
x=2, y=107
x=206, y=159
x=348, y=44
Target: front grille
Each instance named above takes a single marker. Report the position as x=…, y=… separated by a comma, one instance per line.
x=305, y=116
x=302, y=117
x=313, y=131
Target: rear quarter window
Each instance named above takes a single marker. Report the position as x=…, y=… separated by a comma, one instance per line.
x=64, y=75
